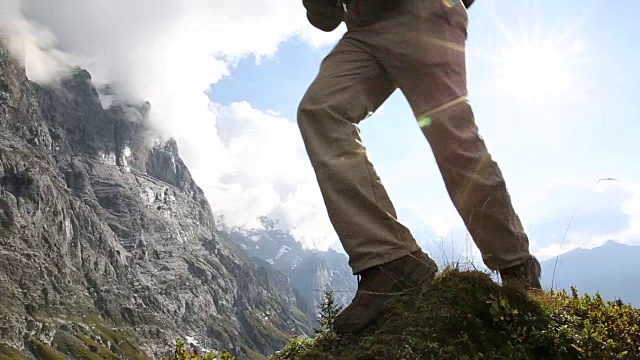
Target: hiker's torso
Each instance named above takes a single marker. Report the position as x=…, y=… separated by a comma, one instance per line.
x=362, y=13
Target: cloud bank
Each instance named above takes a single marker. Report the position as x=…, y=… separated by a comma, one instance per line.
x=249, y=162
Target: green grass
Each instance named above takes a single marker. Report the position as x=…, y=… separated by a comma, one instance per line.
x=44, y=352
x=99, y=349
x=265, y=329
x=9, y=353
x=122, y=344
x=254, y=355
x=70, y=345
x=89, y=344
x=466, y=315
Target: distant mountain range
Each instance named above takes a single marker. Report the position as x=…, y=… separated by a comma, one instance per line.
x=309, y=271
x=612, y=269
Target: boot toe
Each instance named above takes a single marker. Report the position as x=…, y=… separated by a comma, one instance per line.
x=399, y=277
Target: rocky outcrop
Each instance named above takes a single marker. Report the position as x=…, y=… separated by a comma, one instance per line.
x=102, y=226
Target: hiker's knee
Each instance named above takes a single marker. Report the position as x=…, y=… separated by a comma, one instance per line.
x=316, y=121
x=452, y=126
x=307, y=110
x=322, y=106
x=310, y=108
x=454, y=136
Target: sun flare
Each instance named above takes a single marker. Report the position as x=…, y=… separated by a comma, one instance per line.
x=534, y=66
x=535, y=71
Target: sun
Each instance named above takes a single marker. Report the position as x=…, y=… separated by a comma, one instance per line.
x=538, y=67
x=535, y=71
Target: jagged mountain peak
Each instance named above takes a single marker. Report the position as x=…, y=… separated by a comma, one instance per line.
x=103, y=227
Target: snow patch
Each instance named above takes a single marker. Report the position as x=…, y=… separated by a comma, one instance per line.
x=68, y=229
x=105, y=100
x=194, y=343
x=107, y=158
x=283, y=250
x=295, y=262
x=126, y=154
x=254, y=237
x=149, y=195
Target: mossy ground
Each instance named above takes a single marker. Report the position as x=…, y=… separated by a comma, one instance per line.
x=466, y=315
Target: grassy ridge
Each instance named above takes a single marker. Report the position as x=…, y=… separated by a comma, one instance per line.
x=466, y=315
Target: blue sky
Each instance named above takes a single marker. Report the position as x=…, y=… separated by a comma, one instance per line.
x=582, y=128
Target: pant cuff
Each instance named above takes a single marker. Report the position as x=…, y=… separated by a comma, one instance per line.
x=379, y=260
x=495, y=264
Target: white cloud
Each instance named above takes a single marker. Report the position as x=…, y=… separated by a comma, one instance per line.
x=304, y=213
x=45, y=62
x=267, y=173
x=249, y=162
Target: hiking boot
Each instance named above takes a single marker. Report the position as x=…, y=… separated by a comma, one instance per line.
x=378, y=284
x=526, y=274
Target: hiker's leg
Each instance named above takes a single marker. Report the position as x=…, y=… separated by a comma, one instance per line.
x=430, y=70
x=476, y=185
x=350, y=85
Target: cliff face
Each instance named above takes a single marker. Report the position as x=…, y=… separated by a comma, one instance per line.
x=101, y=227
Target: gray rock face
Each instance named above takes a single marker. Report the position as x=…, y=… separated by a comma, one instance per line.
x=311, y=272
x=98, y=221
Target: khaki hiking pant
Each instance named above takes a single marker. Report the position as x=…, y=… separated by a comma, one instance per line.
x=419, y=50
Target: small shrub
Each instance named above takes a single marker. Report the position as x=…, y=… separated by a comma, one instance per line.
x=182, y=353
x=299, y=346
x=593, y=327
x=328, y=310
